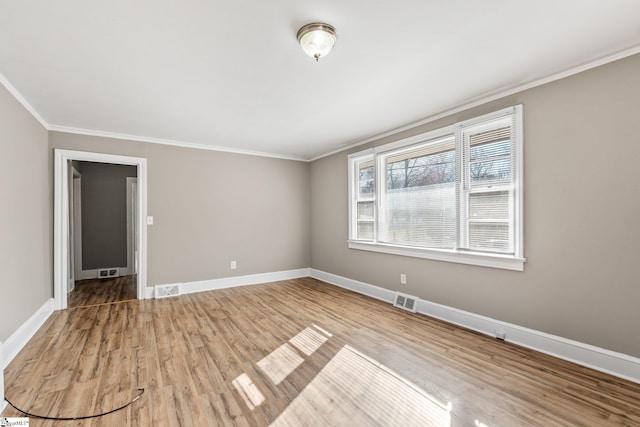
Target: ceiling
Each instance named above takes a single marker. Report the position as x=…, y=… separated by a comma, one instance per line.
x=229, y=74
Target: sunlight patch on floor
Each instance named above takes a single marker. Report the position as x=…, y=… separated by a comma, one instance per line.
x=308, y=341
x=249, y=391
x=353, y=389
x=324, y=331
x=280, y=363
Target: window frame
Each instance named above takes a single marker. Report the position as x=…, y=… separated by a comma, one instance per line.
x=460, y=253
x=353, y=207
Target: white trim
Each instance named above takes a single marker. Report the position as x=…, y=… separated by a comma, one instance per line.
x=504, y=262
x=76, y=205
x=61, y=215
x=601, y=359
x=149, y=292
x=352, y=182
x=16, y=342
x=360, y=287
x=88, y=274
x=183, y=144
x=25, y=332
x=610, y=362
x=93, y=273
x=21, y=99
x=486, y=98
x=89, y=132
x=130, y=268
x=491, y=96
x=519, y=182
x=232, y=282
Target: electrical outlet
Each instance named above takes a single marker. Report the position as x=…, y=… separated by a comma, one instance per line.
x=234, y=265
x=403, y=279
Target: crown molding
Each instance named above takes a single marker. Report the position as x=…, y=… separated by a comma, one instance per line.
x=91, y=132
x=183, y=144
x=492, y=96
x=21, y=99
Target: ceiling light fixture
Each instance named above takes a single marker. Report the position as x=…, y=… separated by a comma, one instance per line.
x=317, y=39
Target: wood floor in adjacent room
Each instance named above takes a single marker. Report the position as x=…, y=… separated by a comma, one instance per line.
x=296, y=353
x=101, y=291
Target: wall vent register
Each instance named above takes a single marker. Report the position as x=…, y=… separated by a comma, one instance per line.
x=164, y=291
x=406, y=302
x=105, y=273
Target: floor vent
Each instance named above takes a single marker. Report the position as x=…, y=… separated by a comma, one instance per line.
x=406, y=302
x=164, y=291
x=105, y=273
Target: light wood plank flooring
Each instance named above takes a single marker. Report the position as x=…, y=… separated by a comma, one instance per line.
x=101, y=291
x=296, y=353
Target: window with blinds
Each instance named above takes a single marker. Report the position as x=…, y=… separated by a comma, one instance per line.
x=418, y=196
x=365, y=199
x=452, y=194
x=488, y=194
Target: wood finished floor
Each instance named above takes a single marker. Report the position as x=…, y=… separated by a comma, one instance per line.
x=101, y=291
x=187, y=351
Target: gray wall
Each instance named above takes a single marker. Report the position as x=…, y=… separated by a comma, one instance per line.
x=104, y=214
x=581, y=218
x=26, y=216
x=211, y=207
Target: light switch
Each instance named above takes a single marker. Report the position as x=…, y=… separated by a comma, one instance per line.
x=149, y=220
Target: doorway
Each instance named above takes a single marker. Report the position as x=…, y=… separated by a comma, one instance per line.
x=103, y=198
x=66, y=235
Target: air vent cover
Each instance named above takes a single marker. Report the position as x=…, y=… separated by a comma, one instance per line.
x=406, y=302
x=105, y=273
x=164, y=291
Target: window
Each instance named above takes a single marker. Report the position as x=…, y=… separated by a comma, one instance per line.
x=453, y=194
x=365, y=200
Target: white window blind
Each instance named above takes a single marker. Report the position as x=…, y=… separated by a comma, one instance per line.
x=488, y=196
x=418, y=195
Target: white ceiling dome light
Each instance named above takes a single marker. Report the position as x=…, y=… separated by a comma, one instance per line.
x=317, y=39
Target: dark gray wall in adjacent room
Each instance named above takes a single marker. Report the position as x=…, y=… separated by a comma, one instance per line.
x=104, y=214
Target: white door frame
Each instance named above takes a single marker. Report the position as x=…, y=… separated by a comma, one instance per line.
x=77, y=224
x=62, y=162
x=132, y=240
x=74, y=222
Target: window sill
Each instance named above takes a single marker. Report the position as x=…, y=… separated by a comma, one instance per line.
x=505, y=262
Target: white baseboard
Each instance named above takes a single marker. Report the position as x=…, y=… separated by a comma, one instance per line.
x=618, y=364
x=87, y=274
x=231, y=282
x=610, y=362
x=354, y=285
x=20, y=337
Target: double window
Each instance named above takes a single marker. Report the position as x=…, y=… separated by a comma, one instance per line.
x=454, y=194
